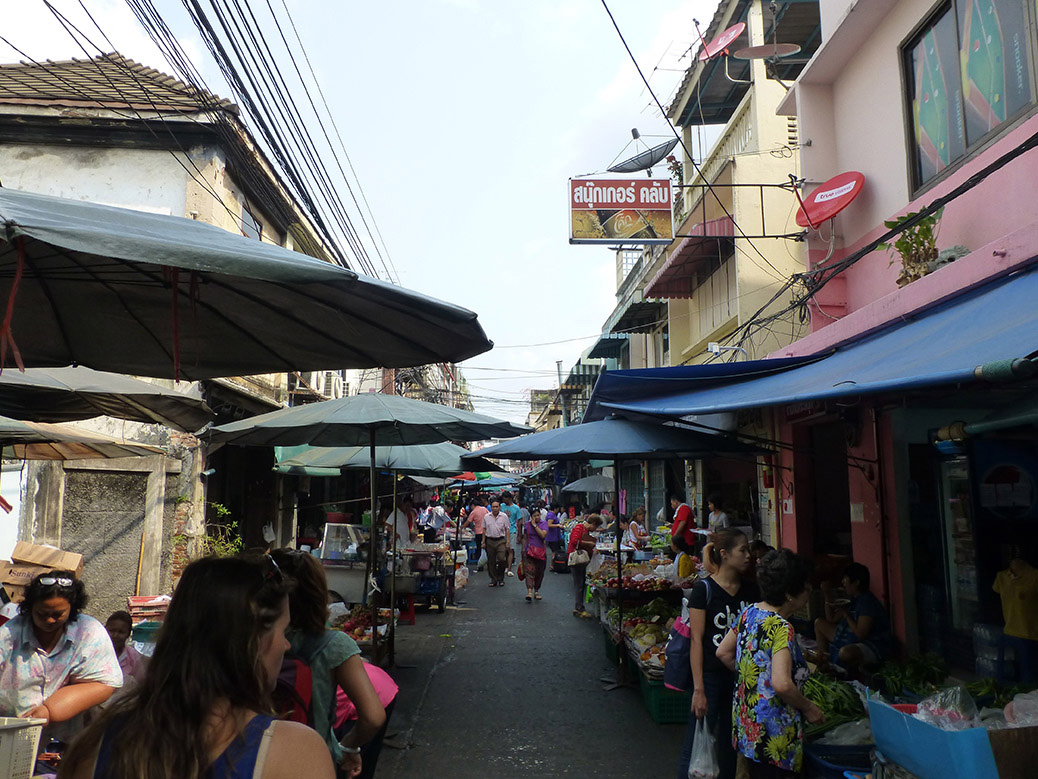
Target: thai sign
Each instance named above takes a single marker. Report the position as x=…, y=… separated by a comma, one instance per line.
x=621, y=211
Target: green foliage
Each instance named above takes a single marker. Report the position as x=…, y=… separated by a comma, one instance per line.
x=222, y=538
x=914, y=246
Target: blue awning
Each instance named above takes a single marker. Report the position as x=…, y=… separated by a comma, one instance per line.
x=942, y=346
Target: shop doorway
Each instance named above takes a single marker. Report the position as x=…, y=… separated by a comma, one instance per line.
x=830, y=494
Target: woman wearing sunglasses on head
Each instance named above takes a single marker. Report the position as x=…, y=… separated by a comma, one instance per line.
x=55, y=663
x=204, y=709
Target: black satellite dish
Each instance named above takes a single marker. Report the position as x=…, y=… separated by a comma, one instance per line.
x=647, y=159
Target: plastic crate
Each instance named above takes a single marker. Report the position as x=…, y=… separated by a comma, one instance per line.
x=666, y=707
x=612, y=649
x=832, y=761
x=19, y=739
x=428, y=586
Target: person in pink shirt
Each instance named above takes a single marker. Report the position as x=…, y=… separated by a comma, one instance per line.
x=119, y=626
x=346, y=716
x=475, y=519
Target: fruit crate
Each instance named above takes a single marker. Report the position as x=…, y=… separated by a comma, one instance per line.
x=666, y=707
x=19, y=740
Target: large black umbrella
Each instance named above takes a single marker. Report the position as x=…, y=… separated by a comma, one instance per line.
x=617, y=439
x=370, y=419
x=70, y=394
x=154, y=295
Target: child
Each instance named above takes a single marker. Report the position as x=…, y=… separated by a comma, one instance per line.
x=119, y=626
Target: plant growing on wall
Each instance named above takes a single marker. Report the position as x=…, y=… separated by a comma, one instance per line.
x=915, y=246
x=221, y=539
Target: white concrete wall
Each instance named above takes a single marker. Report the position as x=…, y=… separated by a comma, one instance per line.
x=146, y=180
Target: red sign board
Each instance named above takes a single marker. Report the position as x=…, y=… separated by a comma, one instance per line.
x=830, y=199
x=634, y=211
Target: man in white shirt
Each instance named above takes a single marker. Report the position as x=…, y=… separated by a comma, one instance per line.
x=399, y=522
x=497, y=538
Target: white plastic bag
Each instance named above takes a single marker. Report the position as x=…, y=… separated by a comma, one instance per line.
x=461, y=577
x=482, y=562
x=703, y=763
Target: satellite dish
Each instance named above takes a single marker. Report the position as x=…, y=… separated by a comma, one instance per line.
x=767, y=51
x=646, y=159
x=829, y=199
x=721, y=43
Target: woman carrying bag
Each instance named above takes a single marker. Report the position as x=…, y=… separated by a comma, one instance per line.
x=714, y=606
x=581, y=547
x=535, y=554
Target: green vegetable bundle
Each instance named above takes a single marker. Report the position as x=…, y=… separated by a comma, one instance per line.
x=838, y=701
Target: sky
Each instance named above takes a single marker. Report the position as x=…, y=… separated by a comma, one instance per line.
x=463, y=120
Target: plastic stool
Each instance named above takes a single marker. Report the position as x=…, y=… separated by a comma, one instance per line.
x=407, y=615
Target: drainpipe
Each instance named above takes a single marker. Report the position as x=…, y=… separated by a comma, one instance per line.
x=562, y=398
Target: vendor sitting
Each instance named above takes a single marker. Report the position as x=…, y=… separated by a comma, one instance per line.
x=55, y=662
x=856, y=630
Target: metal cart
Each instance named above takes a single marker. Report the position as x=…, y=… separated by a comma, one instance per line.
x=427, y=566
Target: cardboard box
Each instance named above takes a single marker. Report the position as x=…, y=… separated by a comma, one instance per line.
x=48, y=557
x=932, y=753
x=15, y=592
x=19, y=574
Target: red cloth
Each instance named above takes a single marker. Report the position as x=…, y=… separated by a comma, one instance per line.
x=684, y=513
x=575, y=535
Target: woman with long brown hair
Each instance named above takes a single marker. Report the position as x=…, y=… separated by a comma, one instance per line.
x=203, y=711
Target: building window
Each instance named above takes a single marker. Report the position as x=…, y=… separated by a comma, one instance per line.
x=250, y=225
x=969, y=72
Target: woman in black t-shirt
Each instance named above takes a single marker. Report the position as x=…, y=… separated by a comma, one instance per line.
x=714, y=606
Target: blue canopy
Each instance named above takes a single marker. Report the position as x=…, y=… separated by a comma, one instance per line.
x=614, y=438
x=974, y=337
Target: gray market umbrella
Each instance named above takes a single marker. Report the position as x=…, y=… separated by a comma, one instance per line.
x=596, y=483
x=71, y=394
x=618, y=439
x=613, y=438
x=372, y=419
x=41, y=441
x=422, y=459
x=153, y=295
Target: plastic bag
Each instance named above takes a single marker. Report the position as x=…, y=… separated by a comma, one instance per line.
x=703, y=763
x=951, y=709
x=482, y=562
x=1022, y=711
x=854, y=733
x=461, y=577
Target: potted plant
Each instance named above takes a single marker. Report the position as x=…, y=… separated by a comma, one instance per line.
x=915, y=246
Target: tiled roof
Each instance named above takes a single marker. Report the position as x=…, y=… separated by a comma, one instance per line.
x=107, y=81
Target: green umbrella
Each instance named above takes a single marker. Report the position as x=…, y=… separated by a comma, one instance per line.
x=421, y=459
x=153, y=295
x=41, y=441
x=71, y=394
x=372, y=419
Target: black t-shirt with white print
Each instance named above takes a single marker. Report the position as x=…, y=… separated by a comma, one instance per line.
x=722, y=611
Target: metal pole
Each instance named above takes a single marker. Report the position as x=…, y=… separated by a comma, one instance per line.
x=621, y=650
x=392, y=585
x=372, y=552
x=562, y=399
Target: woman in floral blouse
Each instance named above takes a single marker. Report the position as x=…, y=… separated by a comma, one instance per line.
x=769, y=709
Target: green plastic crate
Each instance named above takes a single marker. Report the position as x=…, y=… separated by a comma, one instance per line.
x=666, y=707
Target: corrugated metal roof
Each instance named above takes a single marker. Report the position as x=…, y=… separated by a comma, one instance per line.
x=106, y=81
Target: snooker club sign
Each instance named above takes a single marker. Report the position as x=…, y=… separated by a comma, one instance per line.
x=621, y=211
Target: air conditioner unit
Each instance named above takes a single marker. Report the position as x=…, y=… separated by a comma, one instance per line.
x=336, y=387
x=316, y=380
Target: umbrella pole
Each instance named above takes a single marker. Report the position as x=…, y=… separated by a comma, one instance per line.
x=373, y=552
x=621, y=654
x=392, y=585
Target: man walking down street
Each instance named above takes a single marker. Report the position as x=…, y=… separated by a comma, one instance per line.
x=497, y=540
x=475, y=519
x=514, y=524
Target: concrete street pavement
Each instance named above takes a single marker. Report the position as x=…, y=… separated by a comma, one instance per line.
x=503, y=688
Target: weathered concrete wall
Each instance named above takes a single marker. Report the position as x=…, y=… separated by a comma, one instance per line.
x=104, y=521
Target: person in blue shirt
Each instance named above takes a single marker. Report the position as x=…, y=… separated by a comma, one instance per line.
x=856, y=630
x=515, y=514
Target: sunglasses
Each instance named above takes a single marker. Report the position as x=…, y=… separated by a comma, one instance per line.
x=273, y=570
x=50, y=581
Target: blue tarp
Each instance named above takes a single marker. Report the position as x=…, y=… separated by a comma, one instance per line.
x=939, y=347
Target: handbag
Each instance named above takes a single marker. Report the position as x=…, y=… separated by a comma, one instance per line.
x=677, y=667
x=537, y=552
x=520, y=571
x=578, y=557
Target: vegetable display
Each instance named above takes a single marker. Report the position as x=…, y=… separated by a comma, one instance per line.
x=838, y=701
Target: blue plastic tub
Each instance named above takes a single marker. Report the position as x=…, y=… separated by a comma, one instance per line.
x=832, y=762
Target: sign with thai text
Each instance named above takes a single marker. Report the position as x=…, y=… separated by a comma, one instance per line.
x=621, y=211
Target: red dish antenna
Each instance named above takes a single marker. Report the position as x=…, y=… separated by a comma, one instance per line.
x=829, y=199
x=721, y=43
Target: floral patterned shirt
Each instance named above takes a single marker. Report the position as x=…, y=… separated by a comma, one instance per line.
x=29, y=675
x=765, y=729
